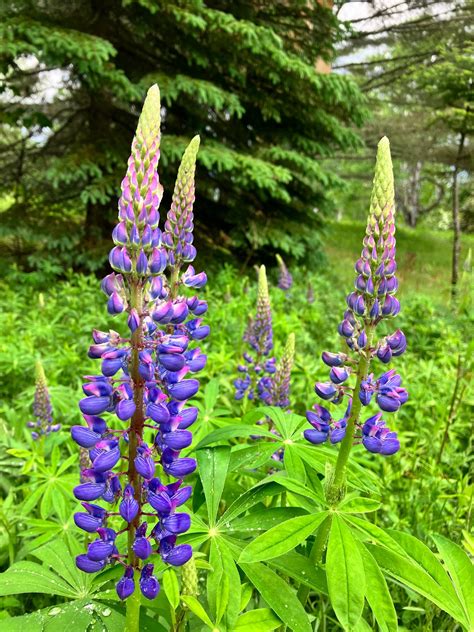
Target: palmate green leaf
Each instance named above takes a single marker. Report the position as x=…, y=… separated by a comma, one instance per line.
x=211, y=393
x=301, y=569
x=223, y=586
x=278, y=595
x=357, y=477
x=79, y=615
x=375, y=533
x=359, y=505
x=461, y=570
x=260, y=620
x=286, y=423
x=217, y=583
x=409, y=573
x=213, y=465
x=345, y=574
x=377, y=593
x=230, y=432
x=263, y=519
x=252, y=456
x=294, y=464
x=197, y=609
x=282, y=538
x=171, y=587
x=424, y=557
x=29, y=577
x=58, y=557
x=291, y=484
x=247, y=500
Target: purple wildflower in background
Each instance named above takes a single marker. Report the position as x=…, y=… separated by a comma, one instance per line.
x=259, y=366
x=42, y=409
x=146, y=377
x=285, y=280
x=372, y=301
x=280, y=386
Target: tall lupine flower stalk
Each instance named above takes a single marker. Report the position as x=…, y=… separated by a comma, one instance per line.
x=285, y=280
x=280, y=387
x=372, y=302
x=144, y=378
x=258, y=367
x=42, y=408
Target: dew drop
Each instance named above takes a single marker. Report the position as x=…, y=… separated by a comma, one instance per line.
x=54, y=611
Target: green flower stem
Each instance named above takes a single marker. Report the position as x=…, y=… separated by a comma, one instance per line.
x=335, y=491
x=132, y=622
x=132, y=618
x=337, y=483
x=316, y=554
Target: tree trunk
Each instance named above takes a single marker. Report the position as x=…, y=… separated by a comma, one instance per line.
x=456, y=220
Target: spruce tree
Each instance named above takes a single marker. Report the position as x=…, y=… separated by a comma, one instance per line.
x=241, y=74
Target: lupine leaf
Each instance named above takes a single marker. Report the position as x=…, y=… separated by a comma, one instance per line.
x=253, y=455
x=301, y=568
x=29, y=577
x=401, y=568
x=248, y=499
x=234, y=584
x=357, y=477
x=211, y=393
x=291, y=484
x=264, y=519
x=278, y=595
x=229, y=432
x=293, y=464
x=282, y=538
x=217, y=583
x=213, y=466
x=359, y=505
x=223, y=587
x=195, y=607
x=461, y=570
x=260, y=620
x=171, y=587
x=426, y=559
x=286, y=423
x=345, y=574
x=377, y=593
x=58, y=557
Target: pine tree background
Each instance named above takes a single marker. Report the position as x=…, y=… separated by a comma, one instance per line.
x=241, y=74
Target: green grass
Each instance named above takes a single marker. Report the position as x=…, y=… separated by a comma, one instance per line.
x=423, y=257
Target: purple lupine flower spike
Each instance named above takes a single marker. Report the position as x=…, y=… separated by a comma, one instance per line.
x=259, y=367
x=280, y=388
x=372, y=301
x=147, y=377
x=42, y=409
x=285, y=280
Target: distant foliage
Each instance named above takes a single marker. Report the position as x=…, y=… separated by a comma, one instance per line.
x=241, y=74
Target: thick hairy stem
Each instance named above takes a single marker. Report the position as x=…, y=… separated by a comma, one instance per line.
x=135, y=436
